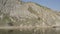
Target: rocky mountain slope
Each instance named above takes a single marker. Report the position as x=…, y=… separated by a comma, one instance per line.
x=18, y=13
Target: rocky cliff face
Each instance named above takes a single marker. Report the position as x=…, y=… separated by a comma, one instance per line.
x=27, y=14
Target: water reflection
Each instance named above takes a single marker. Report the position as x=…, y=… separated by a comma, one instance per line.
x=39, y=31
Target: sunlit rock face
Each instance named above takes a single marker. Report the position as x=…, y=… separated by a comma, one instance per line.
x=29, y=16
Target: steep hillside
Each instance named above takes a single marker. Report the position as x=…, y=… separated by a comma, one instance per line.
x=27, y=14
